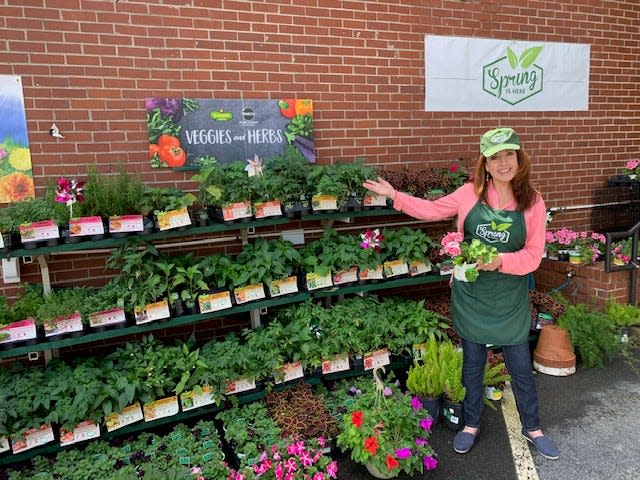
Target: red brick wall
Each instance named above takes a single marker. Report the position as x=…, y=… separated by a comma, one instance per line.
x=88, y=65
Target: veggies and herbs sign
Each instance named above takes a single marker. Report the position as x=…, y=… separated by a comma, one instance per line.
x=16, y=179
x=189, y=133
x=480, y=75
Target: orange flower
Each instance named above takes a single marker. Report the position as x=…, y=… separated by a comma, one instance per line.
x=371, y=445
x=15, y=187
x=357, y=418
x=391, y=463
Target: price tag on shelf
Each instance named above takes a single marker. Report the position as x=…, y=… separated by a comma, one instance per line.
x=379, y=358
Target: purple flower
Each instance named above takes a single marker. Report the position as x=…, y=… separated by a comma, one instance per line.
x=403, y=453
x=426, y=423
x=421, y=442
x=430, y=463
x=416, y=404
x=387, y=392
x=167, y=106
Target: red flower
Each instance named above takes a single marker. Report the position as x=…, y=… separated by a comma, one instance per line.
x=357, y=418
x=391, y=463
x=371, y=445
x=453, y=168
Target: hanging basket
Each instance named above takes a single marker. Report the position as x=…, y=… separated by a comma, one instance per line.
x=375, y=473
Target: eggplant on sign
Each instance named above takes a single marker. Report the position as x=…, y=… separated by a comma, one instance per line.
x=189, y=133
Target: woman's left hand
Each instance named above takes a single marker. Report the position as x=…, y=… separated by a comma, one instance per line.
x=493, y=265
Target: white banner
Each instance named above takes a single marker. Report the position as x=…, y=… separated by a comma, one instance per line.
x=486, y=75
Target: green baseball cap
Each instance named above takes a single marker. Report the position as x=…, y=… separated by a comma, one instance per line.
x=497, y=140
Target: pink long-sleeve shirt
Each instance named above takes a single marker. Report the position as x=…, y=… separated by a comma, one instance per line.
x=462, y=201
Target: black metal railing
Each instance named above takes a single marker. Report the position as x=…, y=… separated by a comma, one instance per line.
x=632, y=266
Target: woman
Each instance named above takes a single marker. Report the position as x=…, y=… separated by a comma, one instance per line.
x=495, y=308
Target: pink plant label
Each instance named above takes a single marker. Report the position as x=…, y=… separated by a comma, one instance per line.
x=394, y=268
x=346, y=276
x=249, y=293
x=70, y=324
x=268, y=209
x=165, y=407
x=126, y=224
x=283, y=286
x=339, y=363
x=236, y=211
x=19, y=331
x=33, y=438
x=379, y=358
x=152, y=312
x=107, y=317
x=173, y=219
x=213, y=302
x=375, y=201
x=79, y=227
x=83, y=431
x=36, y=231
x=291, y=371
x=240, y=385
x=372, y=273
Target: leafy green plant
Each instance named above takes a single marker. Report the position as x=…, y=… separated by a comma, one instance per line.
x=591, y=333
x=34, y=210
x=622, y=314
x=210, y=180
x=236, y=184
x=219, y=270
x=157, y=200
x=108, y=195
x=406, y=244
x=264, y=261
x=191, y=279
x=294, y=169
x=425, y=376
x=451, y=369
x=61, y=303
x=326, y=180
x=353, y=175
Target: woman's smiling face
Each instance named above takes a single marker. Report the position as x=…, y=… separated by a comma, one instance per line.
x=503, y=165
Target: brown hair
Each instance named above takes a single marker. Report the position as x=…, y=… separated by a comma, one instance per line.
x=523, y=190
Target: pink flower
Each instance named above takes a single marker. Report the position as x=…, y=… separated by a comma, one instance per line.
x=332, y=469
x=387, y=392
x=416, y=404
x=421, y=442
x=632, y=164
x=452, y=249
x=430, y=463
x=453, y=168
x=403, y=453
x=426, y=423
x=196, y=470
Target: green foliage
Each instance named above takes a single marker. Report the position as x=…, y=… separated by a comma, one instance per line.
x=451, y=369
x=406, y=244
x=107, y=195
x=157, y=200
x=25, y=306
x=327, y=180
x=591, y=333
x=425, y=377
x=219, y=270
x=622, y=314
x=32, y=210
x=263, y=261
x=353, y=175
x=62, y=303
x=210, y=181
x=294, y=170
x=235, y=184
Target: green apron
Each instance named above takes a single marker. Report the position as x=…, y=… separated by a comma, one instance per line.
x=495, y=308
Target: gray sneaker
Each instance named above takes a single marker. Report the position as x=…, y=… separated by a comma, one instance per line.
x=463, y=441
x=544, y=445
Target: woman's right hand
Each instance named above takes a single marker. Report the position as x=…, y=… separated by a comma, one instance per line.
x=380, y=187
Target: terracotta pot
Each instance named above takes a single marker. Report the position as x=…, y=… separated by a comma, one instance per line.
x=553, y=354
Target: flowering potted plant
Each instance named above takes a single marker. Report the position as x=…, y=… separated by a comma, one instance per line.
x=621, y=251
x=297, y=460
x=388, y=432
x=466, y=255
x=632, y=168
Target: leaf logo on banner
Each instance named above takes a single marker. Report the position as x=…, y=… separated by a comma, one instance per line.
x=526, y=59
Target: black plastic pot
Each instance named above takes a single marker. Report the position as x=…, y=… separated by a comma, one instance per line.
x=452, y=414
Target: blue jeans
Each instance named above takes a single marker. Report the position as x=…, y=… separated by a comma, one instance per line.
x=518, y=361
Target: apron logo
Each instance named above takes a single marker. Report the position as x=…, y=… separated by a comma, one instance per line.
x=494, y=232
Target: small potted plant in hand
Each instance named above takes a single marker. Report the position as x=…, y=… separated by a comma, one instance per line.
x=466, y=255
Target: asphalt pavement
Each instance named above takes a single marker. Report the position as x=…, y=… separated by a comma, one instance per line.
x=592, y=415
